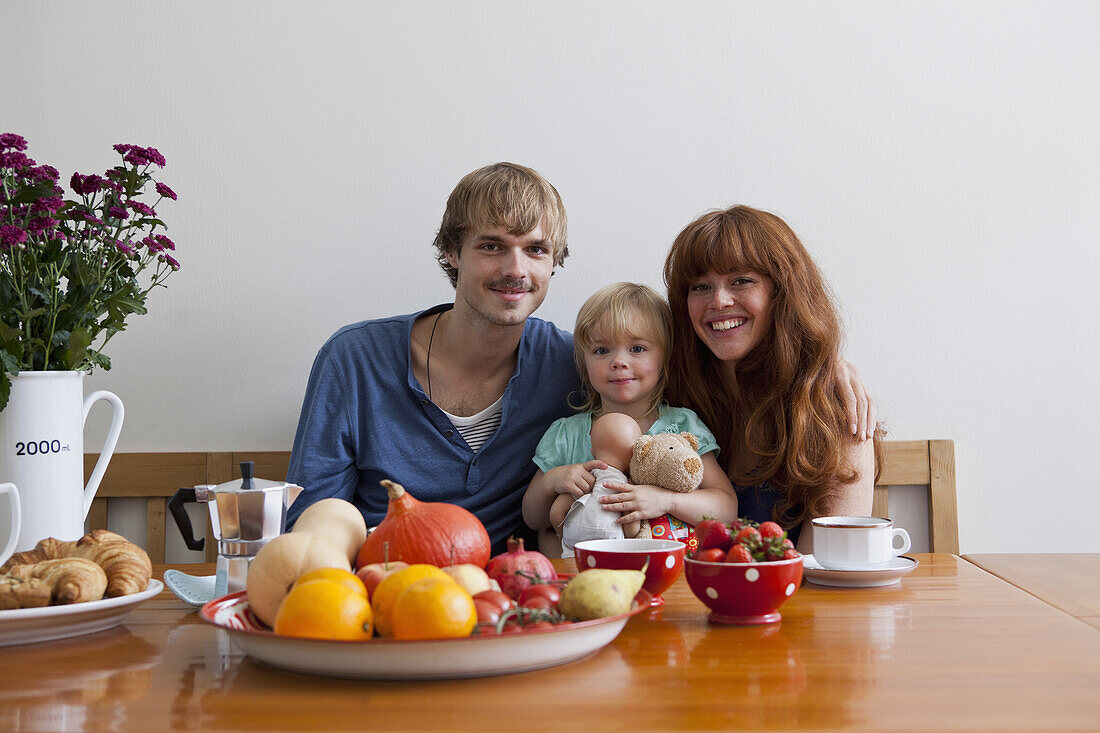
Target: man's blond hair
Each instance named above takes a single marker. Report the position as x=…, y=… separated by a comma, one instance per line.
x=501, y=195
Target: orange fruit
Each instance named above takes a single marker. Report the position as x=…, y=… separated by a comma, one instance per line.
x=339, y=575
x=392, y=586
x=433, y=608
x=324, y=609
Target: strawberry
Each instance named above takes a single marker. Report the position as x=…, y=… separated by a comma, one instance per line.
x=712, y=554
x=747, y=536
x=772, y=550
x=771, y=529
x=739, y=553
x=787, y=543
x=790, y=553
x=713, y=534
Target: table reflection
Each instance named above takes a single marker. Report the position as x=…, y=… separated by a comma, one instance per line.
x=63, y=686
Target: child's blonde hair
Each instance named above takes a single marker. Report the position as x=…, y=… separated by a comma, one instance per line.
x=622, y=311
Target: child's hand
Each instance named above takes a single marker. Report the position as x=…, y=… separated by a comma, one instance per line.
x=575, y=479
x=636, y=502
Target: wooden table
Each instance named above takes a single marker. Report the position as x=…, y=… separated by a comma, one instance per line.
x=1068, y=582
x=952, y=647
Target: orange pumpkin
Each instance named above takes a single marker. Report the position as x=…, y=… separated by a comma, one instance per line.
x=416, y=531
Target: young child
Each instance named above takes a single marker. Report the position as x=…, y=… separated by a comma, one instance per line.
x=621, y=343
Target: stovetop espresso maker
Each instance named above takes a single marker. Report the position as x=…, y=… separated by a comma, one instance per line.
x=245, y=514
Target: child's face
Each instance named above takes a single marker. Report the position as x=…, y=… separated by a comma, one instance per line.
x=624, y=371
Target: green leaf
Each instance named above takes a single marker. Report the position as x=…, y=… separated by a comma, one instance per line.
x=80, y=339
x=32, y=313
x=8, y=334
x=127, y=304
x=33, y=193
x=9, y=361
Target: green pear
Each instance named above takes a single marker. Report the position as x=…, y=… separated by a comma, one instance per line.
x=600, y=593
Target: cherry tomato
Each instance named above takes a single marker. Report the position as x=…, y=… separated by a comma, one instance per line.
x=550, y=592
x=487, y=611
x=539, y=625
x=500, y=600
x=714, y=554
x=538, y=602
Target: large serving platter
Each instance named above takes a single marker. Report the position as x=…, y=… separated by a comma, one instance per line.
x=389, y=659
x=29, y=625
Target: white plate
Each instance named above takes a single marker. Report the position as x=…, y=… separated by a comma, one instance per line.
x=28, y=625
x=869, y=578
x=429, y=659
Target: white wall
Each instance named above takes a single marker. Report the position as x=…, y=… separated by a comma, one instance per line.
x=941, y=161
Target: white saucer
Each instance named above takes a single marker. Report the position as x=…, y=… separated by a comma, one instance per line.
x=889, y=574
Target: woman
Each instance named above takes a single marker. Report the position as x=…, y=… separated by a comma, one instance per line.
x=755, y=354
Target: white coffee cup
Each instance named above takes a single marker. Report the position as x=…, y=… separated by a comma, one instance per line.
x=856, y=543
x=15, y=513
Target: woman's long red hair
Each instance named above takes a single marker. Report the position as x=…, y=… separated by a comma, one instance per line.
x=786, y=423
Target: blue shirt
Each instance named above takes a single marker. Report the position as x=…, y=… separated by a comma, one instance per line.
x=758, y=502
x=365, y=418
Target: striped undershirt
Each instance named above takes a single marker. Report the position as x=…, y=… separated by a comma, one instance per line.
x=476, y=429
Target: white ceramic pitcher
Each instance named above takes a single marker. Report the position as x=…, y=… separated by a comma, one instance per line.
x=42, y=452
x=14, y=513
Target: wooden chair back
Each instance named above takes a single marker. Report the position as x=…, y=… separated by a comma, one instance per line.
x=925, y=462
x=156, y=476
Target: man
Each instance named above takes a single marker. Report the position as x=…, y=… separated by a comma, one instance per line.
x=451, y=401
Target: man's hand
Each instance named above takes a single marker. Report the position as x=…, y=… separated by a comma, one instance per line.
x=575, y=479
x=860, y=406
x=636, y=502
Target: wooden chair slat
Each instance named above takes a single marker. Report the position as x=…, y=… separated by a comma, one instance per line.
x=155, y=534
x=880, y=503
x=944, y=517
x=97, y=515
x=904, y=462
x=147, y=474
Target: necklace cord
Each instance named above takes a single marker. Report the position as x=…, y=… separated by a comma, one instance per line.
x=428, y=359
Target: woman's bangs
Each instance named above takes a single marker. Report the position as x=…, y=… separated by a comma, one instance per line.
x=724, y=251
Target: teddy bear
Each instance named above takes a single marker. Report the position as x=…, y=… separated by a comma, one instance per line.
x=668, y=460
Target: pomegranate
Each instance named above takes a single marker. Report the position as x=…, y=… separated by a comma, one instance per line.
x=518, y=568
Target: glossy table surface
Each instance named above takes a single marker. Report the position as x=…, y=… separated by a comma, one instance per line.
x=953, y=647
x=1069, y=582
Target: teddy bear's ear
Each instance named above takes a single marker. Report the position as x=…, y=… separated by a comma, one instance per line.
x=691, y=440
x=642, y=446
x=693, y=466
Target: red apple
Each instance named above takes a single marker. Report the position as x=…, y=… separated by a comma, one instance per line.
x=372, y=574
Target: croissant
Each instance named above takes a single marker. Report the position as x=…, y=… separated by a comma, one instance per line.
x=23, y=592
x=127, y=566
x=71, y=580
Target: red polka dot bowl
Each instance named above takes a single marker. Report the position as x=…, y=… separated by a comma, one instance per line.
x=665, y=557
x=744, y=593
